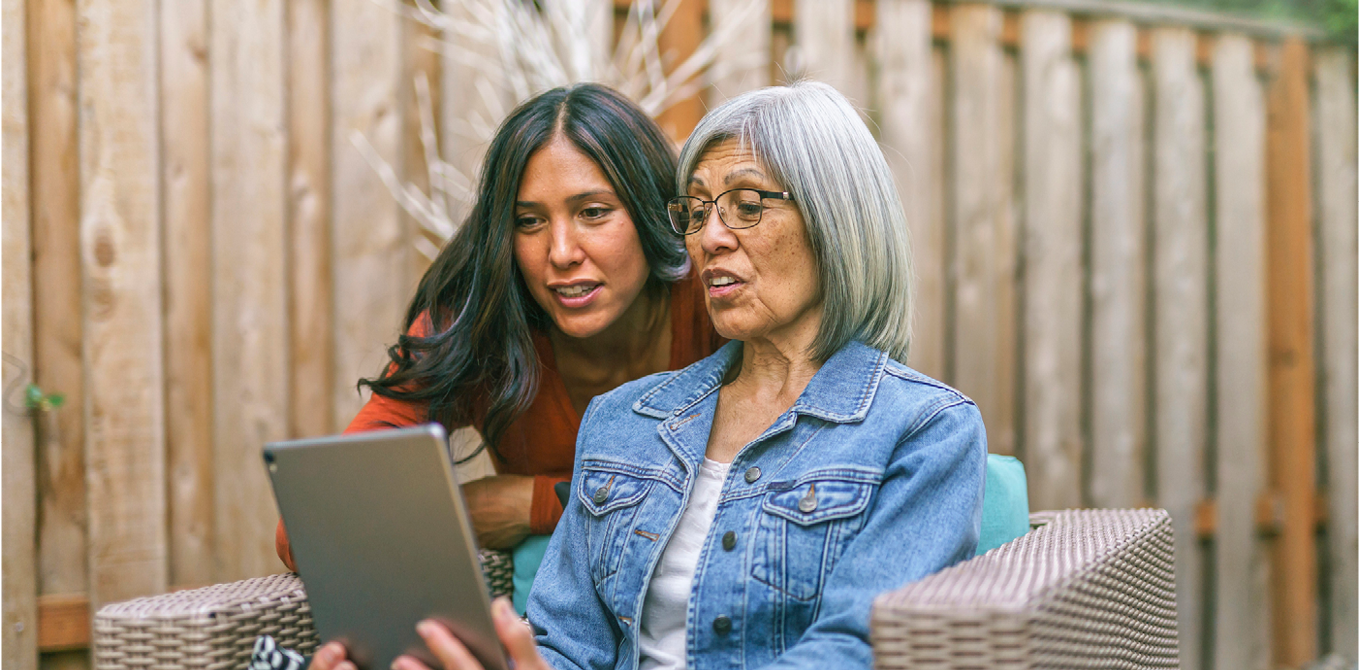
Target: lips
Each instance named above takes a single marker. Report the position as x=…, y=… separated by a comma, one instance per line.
x=721, y=282
x=575, y=294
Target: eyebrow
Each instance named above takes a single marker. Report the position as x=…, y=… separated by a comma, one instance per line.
x=572, y=199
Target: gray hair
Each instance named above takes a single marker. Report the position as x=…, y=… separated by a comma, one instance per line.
x=812, y=141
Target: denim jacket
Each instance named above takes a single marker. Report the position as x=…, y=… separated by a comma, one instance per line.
x=872, y=479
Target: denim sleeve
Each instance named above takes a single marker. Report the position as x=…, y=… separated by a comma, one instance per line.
x=563, y=595
x=930, y=503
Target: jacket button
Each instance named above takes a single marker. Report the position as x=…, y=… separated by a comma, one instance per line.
x=808, y=503
x=722, y=625
x=752, y=475
x=601, y=495
x=729, y=540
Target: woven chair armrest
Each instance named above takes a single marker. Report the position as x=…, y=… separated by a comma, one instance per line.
x=215, y=627
x=1085, y=588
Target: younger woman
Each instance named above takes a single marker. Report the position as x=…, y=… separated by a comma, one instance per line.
x=564, y=282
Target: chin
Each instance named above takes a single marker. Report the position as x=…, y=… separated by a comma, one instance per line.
x=581, y=329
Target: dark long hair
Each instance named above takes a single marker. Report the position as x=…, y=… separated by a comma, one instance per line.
x=479, y=356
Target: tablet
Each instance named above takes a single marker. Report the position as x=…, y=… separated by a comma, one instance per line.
x=381, y=540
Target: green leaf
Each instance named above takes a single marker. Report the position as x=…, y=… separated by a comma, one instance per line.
x=33, y=396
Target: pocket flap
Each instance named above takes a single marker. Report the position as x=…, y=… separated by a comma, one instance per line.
x=809, y=502
x=603, y=491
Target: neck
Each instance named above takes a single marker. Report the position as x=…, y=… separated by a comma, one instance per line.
x=780, y=365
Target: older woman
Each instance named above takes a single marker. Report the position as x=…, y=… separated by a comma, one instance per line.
x=744, y=511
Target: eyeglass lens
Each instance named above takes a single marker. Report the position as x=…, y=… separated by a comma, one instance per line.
x=740, y=208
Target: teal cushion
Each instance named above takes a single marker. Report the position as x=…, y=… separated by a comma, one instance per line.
x=528, y=555
x=1005, y=516
x=1005, y=503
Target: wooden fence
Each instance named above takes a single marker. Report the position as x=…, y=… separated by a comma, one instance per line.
x=1135, y=235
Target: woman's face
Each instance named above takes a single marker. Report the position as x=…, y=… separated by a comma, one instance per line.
x=574, y=241
x=762, y=281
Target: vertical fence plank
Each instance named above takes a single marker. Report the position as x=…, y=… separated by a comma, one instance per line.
x=940, y=281
x=905, y=105
x=20, y=630
x=1335, y=142
x=419, y=62
x=1180, y=297
x=824, y=31
x=309, y=219
x=1289, y=272
x=1117, y=289
x=56, y=360
x=368, y=240
x=1241, y=614
x=1005, y=272
x=982, y=237
x=188, y=290
x=1052, y=261
x=740, y=64
x=120, y=253
x=678, y=41
x=250, y=326
x=468, y=117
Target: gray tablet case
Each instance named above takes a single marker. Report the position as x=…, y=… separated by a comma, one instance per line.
x=382, y=540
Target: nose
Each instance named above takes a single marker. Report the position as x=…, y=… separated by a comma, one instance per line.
x=564, y=250
x=715, y=237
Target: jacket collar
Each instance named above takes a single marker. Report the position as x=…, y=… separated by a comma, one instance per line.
x=840, y=392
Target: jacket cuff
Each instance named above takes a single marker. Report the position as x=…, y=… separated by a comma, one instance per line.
x=546, y=509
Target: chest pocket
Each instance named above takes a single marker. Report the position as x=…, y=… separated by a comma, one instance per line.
x=610, y=499
x=804, y=526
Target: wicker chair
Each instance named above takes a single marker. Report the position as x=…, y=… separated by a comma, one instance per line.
x=1084, y=589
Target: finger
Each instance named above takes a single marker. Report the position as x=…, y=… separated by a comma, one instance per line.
x=328, y=656
x=446, y=647
x=408, y=663
x=517, y=637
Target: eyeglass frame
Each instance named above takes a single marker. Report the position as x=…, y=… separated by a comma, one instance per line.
x=773, y=195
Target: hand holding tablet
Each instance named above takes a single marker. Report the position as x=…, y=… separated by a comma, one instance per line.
x=516, y=637
x=382, y=542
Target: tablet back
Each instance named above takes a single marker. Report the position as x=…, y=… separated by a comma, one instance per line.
x=382, y=541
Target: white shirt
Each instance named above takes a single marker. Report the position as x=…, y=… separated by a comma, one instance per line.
x=661, y=628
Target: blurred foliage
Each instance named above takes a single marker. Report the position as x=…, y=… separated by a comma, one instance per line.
x=1337, y=17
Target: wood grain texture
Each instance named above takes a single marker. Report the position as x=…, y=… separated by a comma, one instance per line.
x=250, y=320
x=742, y=64
x=55, y=183
x=1001, y=417
x=121, y=265
x=311, y=336
x=983, y=254
x=1052, y=262
x=369, y=244
x=1289, y=278
x=907, y=104
x=824, y=31
x=1241, y=561
x=19, y=615
x=1117, y=279
x=185, y=183
x=1180, y=298
x=1335, y=141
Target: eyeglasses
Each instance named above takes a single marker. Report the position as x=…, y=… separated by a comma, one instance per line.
x=738, y=208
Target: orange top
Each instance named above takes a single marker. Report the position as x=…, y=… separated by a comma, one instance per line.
x=542, y=441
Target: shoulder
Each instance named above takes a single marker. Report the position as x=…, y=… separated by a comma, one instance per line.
x=924, y=399
x=622, y=398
